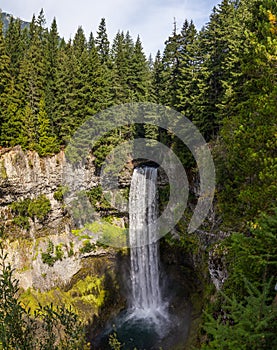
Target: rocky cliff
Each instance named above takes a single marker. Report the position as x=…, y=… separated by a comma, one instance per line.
x=47, y=253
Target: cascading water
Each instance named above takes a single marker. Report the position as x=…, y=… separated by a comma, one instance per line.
x=146, y=301
x=146, y=324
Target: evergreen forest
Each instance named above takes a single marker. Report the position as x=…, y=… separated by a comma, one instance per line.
x=224, y=79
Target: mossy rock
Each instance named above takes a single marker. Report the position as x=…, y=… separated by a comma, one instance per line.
x=85, y=297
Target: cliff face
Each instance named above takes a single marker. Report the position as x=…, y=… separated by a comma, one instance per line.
x=38, y=236
x=26, y=175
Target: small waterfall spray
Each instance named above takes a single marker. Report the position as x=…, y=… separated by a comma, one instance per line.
x=146, y=302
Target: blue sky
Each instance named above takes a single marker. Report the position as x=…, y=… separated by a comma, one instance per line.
x=151, y=19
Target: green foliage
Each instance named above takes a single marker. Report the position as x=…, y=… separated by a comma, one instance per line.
x=60, y=192
x=52, y=254
x=97, y=199
x=30, y=208
x=105, y=232
x=3, y=173
x=48, y=328
x=71, y=249
x=244, y=316
x=245, y=153
x=15, y=328
x=102, y=42
x=47, y=144
x=114, y=343
x=252, y=256
x=247, y=325
x=39, y=207
x=20, y=209
x=85, y=297
x=87, y=247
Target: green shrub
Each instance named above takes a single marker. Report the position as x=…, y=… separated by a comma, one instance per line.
x=248, y=324
x=39, y=207
x=60, y=192
x=30, y=208
x=49, y=257
x=98, y=200
x=87, y=247
x=59, y=252
x=114, y=343
x=20, y=209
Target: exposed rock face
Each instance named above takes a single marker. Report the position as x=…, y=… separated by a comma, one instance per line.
x=50, y=258
x=26, y=175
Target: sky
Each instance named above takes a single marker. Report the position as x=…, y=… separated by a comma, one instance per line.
x=152, y=20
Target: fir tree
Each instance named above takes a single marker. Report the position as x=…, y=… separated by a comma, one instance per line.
x=12, y=123
x=5, y=77
x=15, y=45
x=171, y=68
x=121, y=53
x=46, y=142
x=248, y=165
x=52, y=52
x=102, y=42
x=157, y=78
x=139, y=80
x=189, y=66
x=244, y=325
x=215, y=43
x=32, y=76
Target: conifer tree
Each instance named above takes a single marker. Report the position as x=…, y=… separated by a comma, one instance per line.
x=102, y=42
x=157, y=78
x=139, y=80
x=15, y=45
x=32, y=76
x=28, y=133
x=46, y=142
x=99, y=78
x=52, y=50
x=91, y=42
x=189, y=66
x=171, y=67
x=248, y=165
x=5, y=76
x=12, y=123
x=121, y=53
x=67, y=83
x=79, y=43
x=244, y=325
x=215, y=44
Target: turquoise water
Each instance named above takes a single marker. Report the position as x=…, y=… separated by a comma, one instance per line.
x=144, y=334
x=132, y=333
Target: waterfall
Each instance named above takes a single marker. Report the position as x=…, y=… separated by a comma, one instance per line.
x=146, y=299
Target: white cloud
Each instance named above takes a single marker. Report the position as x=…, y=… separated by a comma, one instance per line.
x=152, y=20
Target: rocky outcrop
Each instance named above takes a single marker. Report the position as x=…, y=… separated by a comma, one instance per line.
x=23, y=174
x=53, y=260
x=46, y=254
